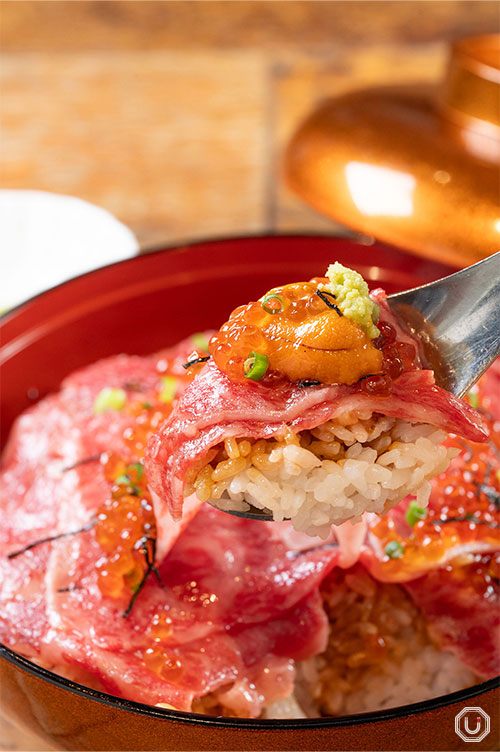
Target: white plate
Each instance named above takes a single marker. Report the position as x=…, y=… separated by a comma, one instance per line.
x=46, y=239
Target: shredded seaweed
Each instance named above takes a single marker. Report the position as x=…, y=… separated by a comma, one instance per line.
x=491, y=493
x=84, y=461
x=50, y=539
x=307, y=383
x=149, y=555
x=466, y=448
x=321, y=547
x=196, y=360
x=466, y=518
x=133, y=386
x=69, y=589
x=324, y=297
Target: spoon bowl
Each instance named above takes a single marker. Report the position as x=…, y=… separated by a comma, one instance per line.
x=457, y=321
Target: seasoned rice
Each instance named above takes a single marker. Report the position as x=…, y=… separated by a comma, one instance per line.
x=380, y=653
x=328, y=475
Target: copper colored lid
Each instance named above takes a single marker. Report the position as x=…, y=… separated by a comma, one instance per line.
x=415, y=166
x=470, y=97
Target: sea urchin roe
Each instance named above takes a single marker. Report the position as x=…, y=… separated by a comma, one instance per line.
x=302, y=333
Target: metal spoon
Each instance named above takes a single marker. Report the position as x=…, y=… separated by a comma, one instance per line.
x=457, y=319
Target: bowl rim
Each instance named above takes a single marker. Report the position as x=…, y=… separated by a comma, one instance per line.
x=183, y=247
x=402, y=711
x=180, y=716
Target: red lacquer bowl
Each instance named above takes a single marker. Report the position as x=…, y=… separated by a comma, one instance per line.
x=139, y=306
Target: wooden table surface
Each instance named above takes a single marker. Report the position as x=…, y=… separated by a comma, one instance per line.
x=174, y=116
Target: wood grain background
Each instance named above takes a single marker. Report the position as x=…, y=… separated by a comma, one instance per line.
x=173, y=115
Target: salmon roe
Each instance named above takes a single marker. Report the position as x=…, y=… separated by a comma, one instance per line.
x=305, y=337
x=397, y=357
x=464, y=508
x=167, y=665
x=125, y=528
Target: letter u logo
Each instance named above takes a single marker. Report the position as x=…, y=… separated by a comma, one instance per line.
x=466, y=718
x=478, y=725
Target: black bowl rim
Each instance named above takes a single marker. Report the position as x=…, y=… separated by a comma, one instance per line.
x=104, y=698
x=180, y=716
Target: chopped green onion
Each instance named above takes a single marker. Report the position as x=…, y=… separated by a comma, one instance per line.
x=394, y=550
x=122, y=480
x=168, y=389
x=272, y=309
x=139, y=469
x=255, y=366
x=109, y=398
x=147, y=405
x=200, y=341
x=473, y=399
x=414, y=513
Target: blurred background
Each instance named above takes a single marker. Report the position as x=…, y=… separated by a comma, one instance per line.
x=173, y=116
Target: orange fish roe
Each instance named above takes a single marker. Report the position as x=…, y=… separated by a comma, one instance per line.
x=125, y=528
x=467, y=510
x=479, y=572
x=301, y=335
x=301, y=332
x=148, y=418
x=167, y=665
x=397, y=357
x=161, y=627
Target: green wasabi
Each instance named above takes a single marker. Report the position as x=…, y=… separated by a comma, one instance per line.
x=352, y=297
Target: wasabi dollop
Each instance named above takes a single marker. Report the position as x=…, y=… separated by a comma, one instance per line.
x=352, y=297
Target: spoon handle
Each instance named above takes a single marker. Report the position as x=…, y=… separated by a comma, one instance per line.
x=458, y=322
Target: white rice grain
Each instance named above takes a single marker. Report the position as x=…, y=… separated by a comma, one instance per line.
x=381, y=461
